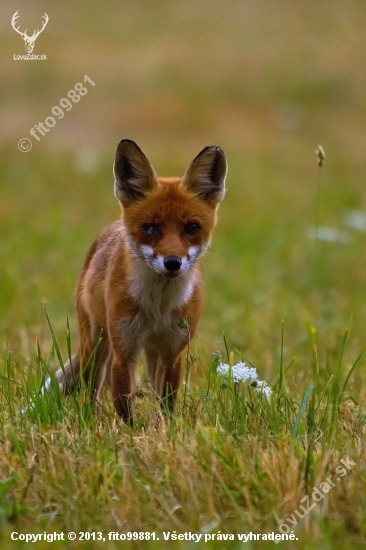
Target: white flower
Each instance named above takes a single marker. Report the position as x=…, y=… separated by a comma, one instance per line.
x=222, y=369
x=355, y=220
x=263, y=388
x=329, y=234
x=248, y=375
x=242, y=373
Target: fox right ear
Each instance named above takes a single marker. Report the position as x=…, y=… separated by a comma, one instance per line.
x=206, y=175
x=134, y=176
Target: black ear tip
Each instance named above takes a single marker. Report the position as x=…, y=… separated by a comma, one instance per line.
x=218, y=153
x=214, y=148
x=125, y=140
x=127, y=145
x=219, y=157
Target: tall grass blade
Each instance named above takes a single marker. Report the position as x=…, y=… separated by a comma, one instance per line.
x=303, y=404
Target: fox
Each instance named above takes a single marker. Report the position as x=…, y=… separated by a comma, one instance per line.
x=140, y=289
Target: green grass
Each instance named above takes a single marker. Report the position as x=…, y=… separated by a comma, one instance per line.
x=268, y=84
x=227, y=462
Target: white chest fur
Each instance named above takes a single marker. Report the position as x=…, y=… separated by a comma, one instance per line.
x=157, y=295
x=156, y=322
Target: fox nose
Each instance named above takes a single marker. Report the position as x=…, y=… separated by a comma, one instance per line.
x=172, y=263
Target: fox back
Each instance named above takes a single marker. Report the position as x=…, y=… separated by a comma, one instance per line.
x=140, y=288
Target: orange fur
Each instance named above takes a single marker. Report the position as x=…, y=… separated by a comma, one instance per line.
x=140, y=288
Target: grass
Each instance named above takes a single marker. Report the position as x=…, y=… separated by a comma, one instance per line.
x=228, y=462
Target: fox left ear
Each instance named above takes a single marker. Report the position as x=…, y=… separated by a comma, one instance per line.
x=134, y=176
x=206, y=175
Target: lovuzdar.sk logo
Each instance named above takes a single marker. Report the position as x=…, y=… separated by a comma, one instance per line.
x=29, y=41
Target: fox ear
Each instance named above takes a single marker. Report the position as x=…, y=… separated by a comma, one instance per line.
x=134, y=176
x=206, y=174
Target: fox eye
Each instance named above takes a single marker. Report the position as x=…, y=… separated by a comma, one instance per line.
x=150, y=229
x=191, y=228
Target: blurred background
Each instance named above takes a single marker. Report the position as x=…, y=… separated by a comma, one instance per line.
x=267, y=81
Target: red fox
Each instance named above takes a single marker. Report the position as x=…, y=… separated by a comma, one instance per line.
x=140, y=288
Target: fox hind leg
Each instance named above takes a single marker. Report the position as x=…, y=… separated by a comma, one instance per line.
x=93, y=359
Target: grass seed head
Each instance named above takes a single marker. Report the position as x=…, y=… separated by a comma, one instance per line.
x=321, y=155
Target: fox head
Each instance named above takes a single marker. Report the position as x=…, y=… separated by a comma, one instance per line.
x=169, y=221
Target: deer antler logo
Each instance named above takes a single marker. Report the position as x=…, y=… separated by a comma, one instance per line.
x=29, y=40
